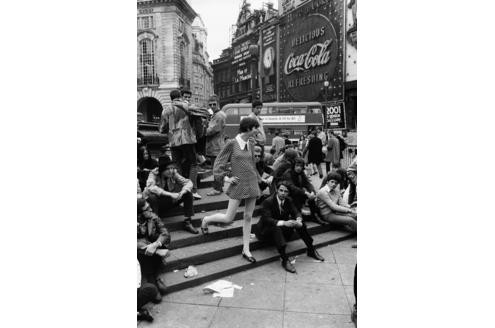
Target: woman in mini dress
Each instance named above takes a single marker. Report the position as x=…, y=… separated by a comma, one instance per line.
x=243, y=180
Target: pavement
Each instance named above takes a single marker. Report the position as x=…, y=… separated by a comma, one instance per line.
x=320, y=294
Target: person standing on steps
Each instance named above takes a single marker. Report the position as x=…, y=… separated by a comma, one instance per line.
x=260, y=136
x=243, y=181
x=215, y=141
x=279, y=219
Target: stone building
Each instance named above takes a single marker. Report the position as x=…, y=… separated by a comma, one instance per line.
x=202, y=80
x=236, y=71
x=165, y=46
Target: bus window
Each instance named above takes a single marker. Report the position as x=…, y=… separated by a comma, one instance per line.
x=244, y=111
x=315, y=110
x=232, y=111
x=299, y=110
x=284, y=110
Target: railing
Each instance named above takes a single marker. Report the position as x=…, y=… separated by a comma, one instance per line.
x=148, y=80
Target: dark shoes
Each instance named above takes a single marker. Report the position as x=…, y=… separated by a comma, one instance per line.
x=288, y=266
x=249, y=258
x=144, y=315
x=189, y=227
x=314, y=254
x=161, y=286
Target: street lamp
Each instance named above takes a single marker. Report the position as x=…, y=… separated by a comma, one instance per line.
x=325, y=86
x=253, y=51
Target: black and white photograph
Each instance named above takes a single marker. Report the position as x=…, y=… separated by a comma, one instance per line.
x=247, y=163
x=245, y=120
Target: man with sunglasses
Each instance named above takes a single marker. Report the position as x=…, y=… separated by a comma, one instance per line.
x=215, y=140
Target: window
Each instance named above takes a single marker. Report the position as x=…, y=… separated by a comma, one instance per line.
x=245, y=110
x=147, y=61
x=234, y=111
x=146, y=22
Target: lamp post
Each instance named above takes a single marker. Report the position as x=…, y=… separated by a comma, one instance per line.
x=325, y=86
x=253, y=51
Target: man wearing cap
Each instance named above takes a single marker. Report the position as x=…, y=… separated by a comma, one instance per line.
x=215, y=140
x=166, y=189
x=256, y=110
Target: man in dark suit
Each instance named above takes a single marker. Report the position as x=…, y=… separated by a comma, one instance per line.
x=279, y=219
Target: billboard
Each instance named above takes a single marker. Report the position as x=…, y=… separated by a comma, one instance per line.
x=335, y=115
x=312, y=52
x=268, y=63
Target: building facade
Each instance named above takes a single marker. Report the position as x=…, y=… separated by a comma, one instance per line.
x=306, y=51
x=202, y=79
x=236, y=77
x=165, y=46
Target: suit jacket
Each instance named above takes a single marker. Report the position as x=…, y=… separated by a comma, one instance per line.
x=270, y=213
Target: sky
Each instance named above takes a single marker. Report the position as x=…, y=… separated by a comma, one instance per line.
x=218, y=16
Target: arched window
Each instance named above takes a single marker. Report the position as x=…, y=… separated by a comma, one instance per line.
x=147, y=61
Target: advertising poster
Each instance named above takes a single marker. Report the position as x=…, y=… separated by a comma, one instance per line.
x=268, y=64
x=335, y=116
x=312, y=51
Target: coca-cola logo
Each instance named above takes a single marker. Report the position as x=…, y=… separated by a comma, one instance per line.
x=317, y=55
x=310, y=54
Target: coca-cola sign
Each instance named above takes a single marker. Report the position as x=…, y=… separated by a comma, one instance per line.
x=317, y=55
x=311, y=52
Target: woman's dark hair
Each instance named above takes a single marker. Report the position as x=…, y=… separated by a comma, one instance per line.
x=247, y=123
x=332, y=176
x=140, y=155
x=344, y=182
x=149, y=163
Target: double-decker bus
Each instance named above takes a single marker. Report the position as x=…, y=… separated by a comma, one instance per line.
x=294, y=119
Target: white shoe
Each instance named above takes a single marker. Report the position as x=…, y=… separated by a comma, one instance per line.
x=197, y=196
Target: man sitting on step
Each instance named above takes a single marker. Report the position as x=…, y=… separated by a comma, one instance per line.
x=153, y=240
x=166, y=189
x=279, y=219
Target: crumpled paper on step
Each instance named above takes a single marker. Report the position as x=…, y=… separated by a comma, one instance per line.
x=221, y=288
x=191, y=271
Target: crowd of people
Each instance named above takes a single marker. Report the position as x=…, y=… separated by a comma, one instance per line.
x=279, y=179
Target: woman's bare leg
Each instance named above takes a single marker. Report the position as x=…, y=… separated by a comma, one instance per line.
x=223, y=218
x=246, y=228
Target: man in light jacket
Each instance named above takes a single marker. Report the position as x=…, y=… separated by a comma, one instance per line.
x=215, y=141
x=166, y=189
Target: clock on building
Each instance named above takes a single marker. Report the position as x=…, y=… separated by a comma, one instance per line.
x=268, y=57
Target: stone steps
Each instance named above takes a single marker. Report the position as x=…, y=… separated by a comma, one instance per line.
x=200, y=249
x=234, y=263
x=175, y=223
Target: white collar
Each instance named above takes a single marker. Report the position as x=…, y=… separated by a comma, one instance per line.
x=242, y=143
x=279, y=201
